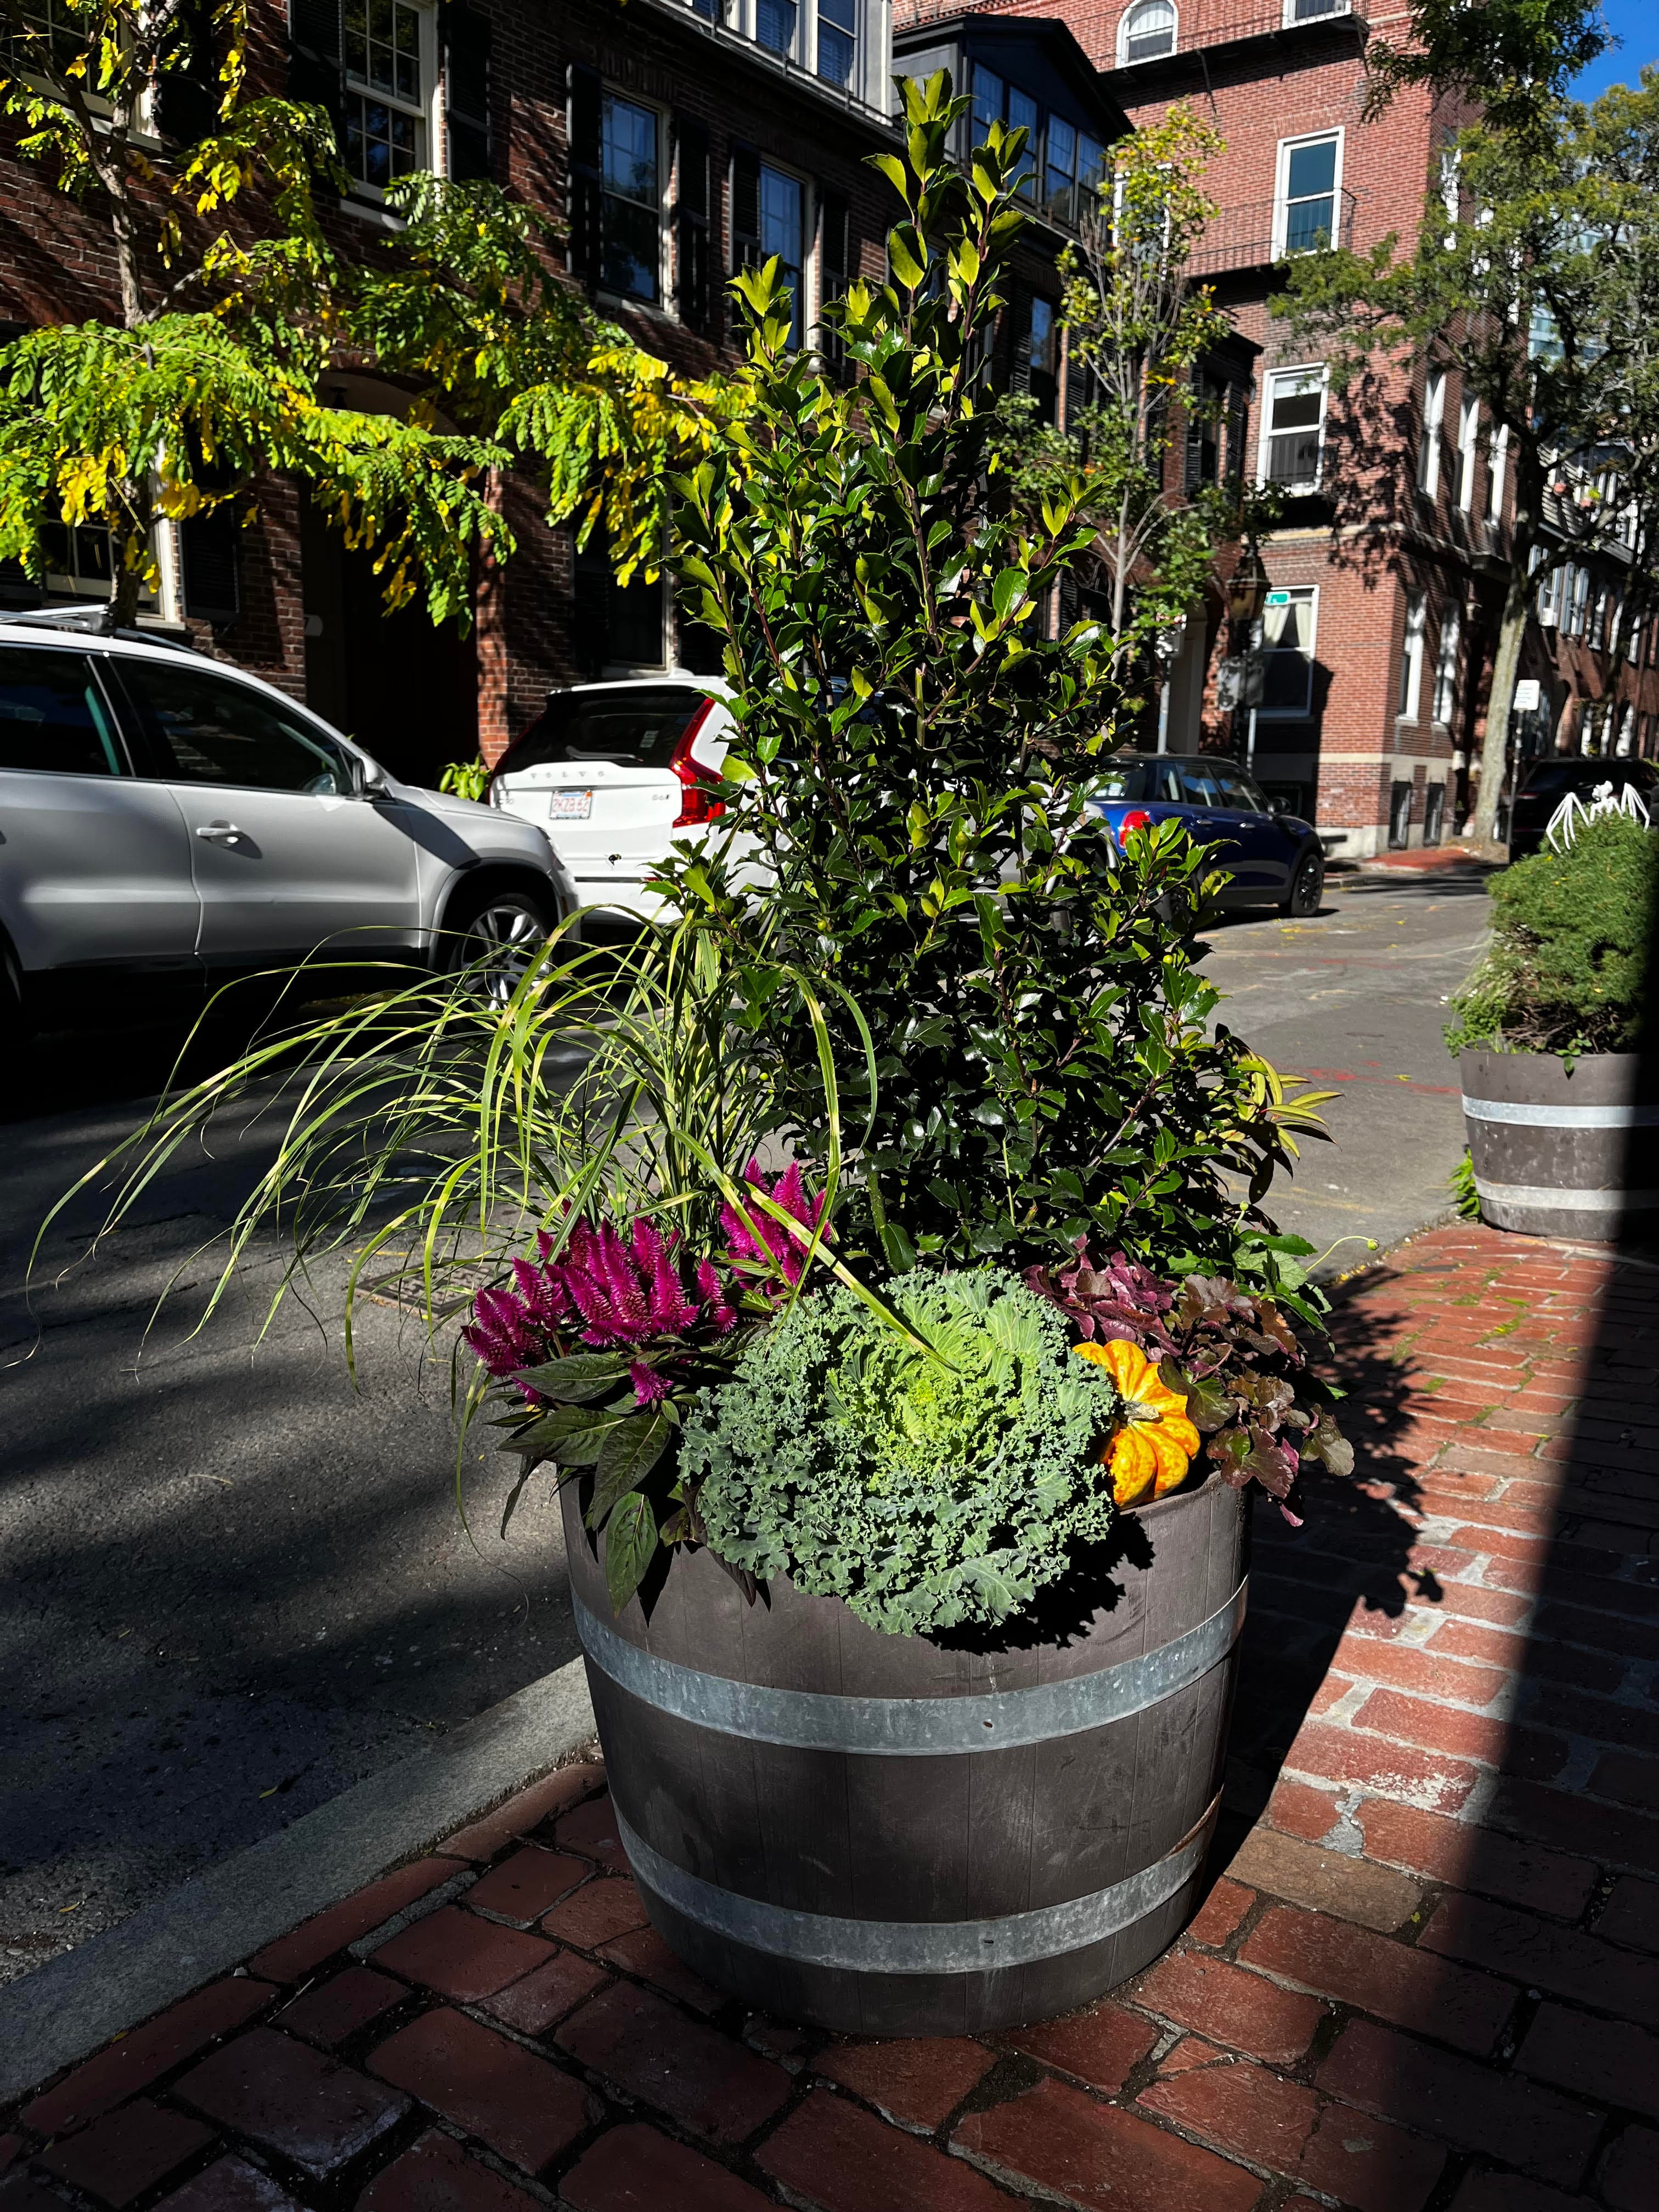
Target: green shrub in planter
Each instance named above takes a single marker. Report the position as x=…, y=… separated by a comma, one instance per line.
x=1567, y=968
x=925, y=1492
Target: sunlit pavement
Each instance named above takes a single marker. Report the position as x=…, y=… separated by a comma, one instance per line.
x=1353, y=999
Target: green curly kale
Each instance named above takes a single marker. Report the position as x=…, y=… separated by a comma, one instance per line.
x=926, y=1492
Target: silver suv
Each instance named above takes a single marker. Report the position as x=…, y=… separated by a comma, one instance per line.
x=161, y=815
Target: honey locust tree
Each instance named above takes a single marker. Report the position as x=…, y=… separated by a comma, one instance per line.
x=231, y=305
x=1543, y=294
x=1138, y=328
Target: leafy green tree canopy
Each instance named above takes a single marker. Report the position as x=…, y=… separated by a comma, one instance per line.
x=1542, y=294
x=232, y=304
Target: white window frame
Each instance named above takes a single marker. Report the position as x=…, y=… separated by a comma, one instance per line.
x=1468, y=445
x=1275, y=376
x=1303, y=595
x=1446, y=666
x=1434, y=424
x=664, y=302
x=1498, y=462
x=1410, y=696
x=1123, y=35
x=1324, y=14
x=1282, y=184
x=426, y=110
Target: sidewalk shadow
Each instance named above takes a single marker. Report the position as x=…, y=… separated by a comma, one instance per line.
x=1349, y=1563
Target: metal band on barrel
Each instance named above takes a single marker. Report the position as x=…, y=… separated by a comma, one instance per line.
x=1562, y=1117
x=912, y=1726
x=917, y=1947
x=1568, y=1198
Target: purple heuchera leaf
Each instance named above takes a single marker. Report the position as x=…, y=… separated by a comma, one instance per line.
x=776, y=1248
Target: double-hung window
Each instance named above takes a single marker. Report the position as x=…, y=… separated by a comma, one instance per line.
x=630, y=255
x=1445, y=672
x=1434, y=419
x=838, y=41
x=1148, y=31
x=390, y=65
x=1468, y=441
x=1293, y=428
x=1498, y=462
x=1310, y=180
x=782, y=227
x=1411, y=659
x=775, y=25
x=996, y=101
x=1288, y=625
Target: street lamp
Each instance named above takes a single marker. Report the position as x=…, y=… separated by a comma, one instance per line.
x=1246, y=595
x=1247, y=599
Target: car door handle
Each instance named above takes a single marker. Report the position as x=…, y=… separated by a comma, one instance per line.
x=220, y=832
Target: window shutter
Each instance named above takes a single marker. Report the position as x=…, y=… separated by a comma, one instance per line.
x=1079, y=395
x=188, y=96
x=694, y=271
x=467, y=37
x=586, y=125
x=1193, y=471
x=1238, y=419
x=1019, y=359
x=745, y=223
x=210, y=560
x=313, y=67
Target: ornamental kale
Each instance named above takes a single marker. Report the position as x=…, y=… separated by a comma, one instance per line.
x=926, y=1491
x=1231, y=1353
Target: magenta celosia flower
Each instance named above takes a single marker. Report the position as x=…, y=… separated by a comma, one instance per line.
x=610, y=1291
x=776, y=1243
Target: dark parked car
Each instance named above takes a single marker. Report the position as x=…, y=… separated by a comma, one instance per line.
x=1276, y=858
x=1545, y=783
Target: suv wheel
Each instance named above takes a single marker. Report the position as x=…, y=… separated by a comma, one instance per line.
x=1307, y=888
x=498, y=931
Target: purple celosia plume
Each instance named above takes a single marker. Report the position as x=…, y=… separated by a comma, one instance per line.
x=776, y=1247
x=611, y=1292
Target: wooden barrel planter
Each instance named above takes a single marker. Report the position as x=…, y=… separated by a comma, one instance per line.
x=1560, y=1155
x=887, y=1836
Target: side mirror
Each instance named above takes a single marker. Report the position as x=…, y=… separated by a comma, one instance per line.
x=1275, y=807
x=371, y=778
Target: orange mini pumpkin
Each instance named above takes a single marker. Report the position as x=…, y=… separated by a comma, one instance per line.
x=1156, y=1445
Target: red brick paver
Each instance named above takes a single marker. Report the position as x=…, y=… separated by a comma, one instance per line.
x=1424, y=1978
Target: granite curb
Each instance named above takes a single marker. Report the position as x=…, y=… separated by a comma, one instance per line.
x=210, y=1925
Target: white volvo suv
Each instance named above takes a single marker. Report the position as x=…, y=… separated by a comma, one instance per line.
x=617, y=773
x=164, y=815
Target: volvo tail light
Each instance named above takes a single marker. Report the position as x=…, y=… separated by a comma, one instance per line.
x=1136, y=819
x=697, y=800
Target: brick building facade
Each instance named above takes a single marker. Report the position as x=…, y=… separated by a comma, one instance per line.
x=1386, y=587
x=672, y=139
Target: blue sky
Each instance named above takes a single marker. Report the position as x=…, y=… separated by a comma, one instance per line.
x=1636, y=23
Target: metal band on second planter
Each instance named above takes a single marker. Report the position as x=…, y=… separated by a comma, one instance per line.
x=911, y=1727
x=1562, y=1117
x=917, y=1947
x=1565, y=1197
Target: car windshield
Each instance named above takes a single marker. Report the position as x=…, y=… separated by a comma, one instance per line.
x=639, y=727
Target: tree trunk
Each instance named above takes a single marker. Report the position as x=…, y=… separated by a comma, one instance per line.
x=1506, y=667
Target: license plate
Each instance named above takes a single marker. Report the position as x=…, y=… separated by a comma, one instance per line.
x=571, y=806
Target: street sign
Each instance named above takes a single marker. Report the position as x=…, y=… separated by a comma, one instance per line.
x=1527, y=699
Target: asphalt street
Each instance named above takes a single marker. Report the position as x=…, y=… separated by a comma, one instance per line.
x=1354, y=998
x=232, y=1584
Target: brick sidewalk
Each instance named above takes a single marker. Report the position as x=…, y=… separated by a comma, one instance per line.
x=1426, y=1978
